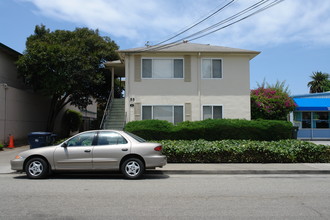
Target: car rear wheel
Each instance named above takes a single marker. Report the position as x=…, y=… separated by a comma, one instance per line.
x=36, y=168
x=132, y=168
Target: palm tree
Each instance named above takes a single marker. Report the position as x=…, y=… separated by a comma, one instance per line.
x=320, y=82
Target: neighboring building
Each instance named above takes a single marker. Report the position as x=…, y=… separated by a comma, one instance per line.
x=312, y=115
x=185, y=82
x=21, y=110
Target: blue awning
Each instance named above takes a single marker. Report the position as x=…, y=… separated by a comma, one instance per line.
x=310, y=104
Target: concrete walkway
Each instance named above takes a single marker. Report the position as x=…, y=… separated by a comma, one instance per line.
x=205, y=168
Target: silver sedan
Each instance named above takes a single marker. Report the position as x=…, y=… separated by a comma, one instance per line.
x=98, y=150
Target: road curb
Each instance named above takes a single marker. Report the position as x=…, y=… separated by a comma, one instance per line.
x=201, y=172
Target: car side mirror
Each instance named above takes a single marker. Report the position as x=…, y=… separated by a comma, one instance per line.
x=64, y=145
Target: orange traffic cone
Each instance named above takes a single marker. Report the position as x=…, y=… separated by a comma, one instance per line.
x=11, y=141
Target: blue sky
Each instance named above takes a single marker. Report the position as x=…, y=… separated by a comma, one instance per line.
x=293, y=36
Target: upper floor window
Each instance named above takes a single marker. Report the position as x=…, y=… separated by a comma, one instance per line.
x=159, y=68
x=211, y=68
x=212, y=111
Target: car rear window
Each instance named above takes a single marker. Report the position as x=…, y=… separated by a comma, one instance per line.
x=137, y=138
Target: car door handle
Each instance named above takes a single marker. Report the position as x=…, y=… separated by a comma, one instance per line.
x=124, y=149
x=88, y=151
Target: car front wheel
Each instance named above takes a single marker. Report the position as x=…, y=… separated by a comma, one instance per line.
x=36, y=168
x=132, y=168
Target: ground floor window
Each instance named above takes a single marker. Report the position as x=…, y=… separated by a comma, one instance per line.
x=313, y=119
x=212, y=111
x=171, y=113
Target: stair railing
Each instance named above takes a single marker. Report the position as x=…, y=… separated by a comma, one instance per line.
x=106, y=110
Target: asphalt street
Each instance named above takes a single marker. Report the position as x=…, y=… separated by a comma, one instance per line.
x=159, y=196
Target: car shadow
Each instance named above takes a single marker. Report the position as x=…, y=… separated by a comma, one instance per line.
x=148, y=175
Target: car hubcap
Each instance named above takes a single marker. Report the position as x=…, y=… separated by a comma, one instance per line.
x=35, y=168
x=132, y=168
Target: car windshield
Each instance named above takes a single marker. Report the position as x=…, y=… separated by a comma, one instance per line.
x=139, y=139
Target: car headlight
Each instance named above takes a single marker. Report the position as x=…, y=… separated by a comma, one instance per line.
x=18, y=157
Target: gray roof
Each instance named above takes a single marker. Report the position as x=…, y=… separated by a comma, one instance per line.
x=188, y=47
x=9, y=50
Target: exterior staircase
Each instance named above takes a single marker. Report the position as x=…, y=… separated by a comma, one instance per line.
x=116, y=116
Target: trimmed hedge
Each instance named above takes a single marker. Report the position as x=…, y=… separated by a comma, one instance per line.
x=244, y=151
x=212, y=129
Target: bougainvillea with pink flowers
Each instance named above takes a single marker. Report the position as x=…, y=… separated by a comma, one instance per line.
x=270, y=104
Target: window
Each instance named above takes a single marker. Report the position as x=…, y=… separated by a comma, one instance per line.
x=162, y=68
x=306, y=120
x=110, y=138
x=173, y=114
x=211, y=68
x=321, y=119
x=85, y=139
x=137, y=138
x=212, y=111
x=313, y=119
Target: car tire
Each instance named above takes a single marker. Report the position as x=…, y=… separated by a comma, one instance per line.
x=132, y=168
x=37, y=168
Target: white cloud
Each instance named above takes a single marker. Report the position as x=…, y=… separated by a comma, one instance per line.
x=306, y=22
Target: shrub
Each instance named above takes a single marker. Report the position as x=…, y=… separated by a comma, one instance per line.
x=244, y=151
x=150, y=129
x=212, y=129
x=71, y=121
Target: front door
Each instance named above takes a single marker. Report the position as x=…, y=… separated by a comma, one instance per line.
x=76, y=154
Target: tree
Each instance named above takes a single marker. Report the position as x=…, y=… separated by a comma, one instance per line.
x=320, y=82
x=271, y=103
x=66, y=66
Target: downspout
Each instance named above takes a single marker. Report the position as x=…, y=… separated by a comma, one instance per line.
x=199, y=85
x=5, y=87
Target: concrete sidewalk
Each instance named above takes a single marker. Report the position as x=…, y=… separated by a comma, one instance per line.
x=246, y=168
x=204, y=168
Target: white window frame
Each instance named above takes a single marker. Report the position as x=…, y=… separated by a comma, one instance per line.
x=211, y=58
x=152, y=111
x=212, y=105
x=162, y=58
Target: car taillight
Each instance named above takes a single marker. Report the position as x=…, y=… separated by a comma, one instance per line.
x=158, y=148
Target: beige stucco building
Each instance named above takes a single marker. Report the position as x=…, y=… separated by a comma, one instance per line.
x=185, y=81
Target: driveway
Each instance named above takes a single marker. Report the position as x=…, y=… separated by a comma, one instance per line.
x=8, y=154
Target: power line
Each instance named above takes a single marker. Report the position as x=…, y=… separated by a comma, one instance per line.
x=199, y=22
x=247, y=10
x=241, y=19
x=211, y=29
